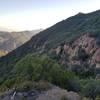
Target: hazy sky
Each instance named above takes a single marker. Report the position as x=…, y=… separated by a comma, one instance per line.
x=21, y=15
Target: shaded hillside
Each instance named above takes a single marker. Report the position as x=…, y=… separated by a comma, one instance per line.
x=65, y=31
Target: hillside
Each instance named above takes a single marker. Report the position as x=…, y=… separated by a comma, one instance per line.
x=66, y=54
x=65, y=31
x=11, y=40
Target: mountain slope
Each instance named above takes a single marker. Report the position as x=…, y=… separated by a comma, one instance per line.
x=66, y=54
x=65, y=31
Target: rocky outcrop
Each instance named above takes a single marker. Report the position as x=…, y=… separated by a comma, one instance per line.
x=15, y=95
x=58, y=94
x=87, y=45
x=96, y=55
x=55, y=93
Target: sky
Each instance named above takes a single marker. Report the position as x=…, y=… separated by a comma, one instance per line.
x=20, y=15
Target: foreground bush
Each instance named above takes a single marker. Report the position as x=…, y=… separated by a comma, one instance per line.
x=91, y=89
x=35, y=68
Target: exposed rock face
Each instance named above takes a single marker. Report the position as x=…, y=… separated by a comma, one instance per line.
x=86, y=44
x=13, y=95
x=58, y=50
x=96, y=55
x=55, y=93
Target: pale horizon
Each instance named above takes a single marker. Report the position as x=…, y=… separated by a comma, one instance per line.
x=20, y=15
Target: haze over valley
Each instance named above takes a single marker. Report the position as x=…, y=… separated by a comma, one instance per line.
x=11, y=40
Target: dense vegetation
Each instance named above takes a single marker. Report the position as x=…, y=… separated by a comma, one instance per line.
x=33, y=68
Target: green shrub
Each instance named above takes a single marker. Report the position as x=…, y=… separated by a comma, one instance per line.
x=25, y=86
x=9, y=82
x=42, y=86
x=35, y=68
x=91, y=89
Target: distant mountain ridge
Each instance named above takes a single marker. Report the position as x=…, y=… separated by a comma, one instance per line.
x=11, y=40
